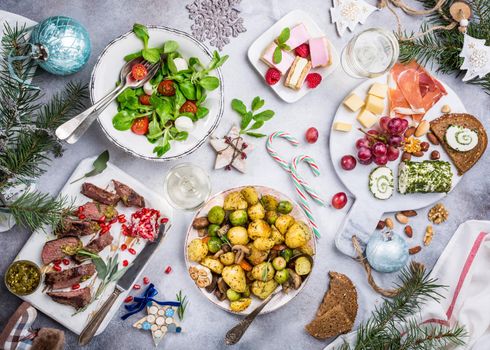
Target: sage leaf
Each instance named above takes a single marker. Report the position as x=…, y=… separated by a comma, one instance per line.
x=99, y=165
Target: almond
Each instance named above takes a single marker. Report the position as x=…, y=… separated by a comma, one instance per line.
x=381, y=225
x=410, y=131
x=418, y=154
x=433, y=138
x=409, y=213
x=414, y=250
x=389, y=223
x=435, y=155
x=406, y=156
x=408, y=231
x=446, y=109
x=422, y=129
x=402, y=219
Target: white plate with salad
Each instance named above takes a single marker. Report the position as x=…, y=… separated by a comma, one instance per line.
x=176, y=112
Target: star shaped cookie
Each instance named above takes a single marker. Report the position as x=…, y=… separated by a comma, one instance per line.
x=160, y=320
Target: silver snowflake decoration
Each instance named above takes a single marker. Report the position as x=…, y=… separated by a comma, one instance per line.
x=476, y=58
x=216, y=21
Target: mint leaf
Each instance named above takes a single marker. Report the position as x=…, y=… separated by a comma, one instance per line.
x=284, y=36
x=255, y=134
x=264, y=116
x=257, y=103
x=257, y=125
x=247, y=118
x=239, y=107
x=277, y=56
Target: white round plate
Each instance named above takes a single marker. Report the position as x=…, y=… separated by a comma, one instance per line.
x=106, y=73
x=279, y=300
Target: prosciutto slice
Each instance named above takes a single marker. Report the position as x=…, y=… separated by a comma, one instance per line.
x=414, y=88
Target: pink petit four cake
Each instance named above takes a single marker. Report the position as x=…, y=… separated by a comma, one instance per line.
x=286, y=61
x=298, y=35
x=320, y=52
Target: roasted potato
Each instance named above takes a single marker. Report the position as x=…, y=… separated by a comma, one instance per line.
x=297, y=235
x=276, y=235
x=263, y=289
x=259, y=228
x=263, y=243
x=214, y=265
x=307, y=249
x=240, y=304
x=263, y=272
x=250, y=195
x=284, y=222
x=227, y=258
x=197, y=250
x=256, y=212
x=238, y=235
x=235, y=201
x=271, y=217
x=257, y=256
x=269, y=202
x=234, y=277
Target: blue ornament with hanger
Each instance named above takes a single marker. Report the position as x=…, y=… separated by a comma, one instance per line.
x=386, y=251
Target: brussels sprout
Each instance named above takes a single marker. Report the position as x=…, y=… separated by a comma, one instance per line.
x=302, y=266
x=279, y=263
x=232, y=295
x=287, y=254
x=281, y=276
x=213, y=230
x=238, y=218
x=269, y=202
x=271, y=217
x=216, y=215
x=214, y=244
x=284, y=207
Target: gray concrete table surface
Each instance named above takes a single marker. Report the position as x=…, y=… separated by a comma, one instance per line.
x=205, y=325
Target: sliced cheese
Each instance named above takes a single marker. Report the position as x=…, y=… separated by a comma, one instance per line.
x=353, y=102
x=375, y=104
x=366, y=118
x=341, y=126
x=378, y=90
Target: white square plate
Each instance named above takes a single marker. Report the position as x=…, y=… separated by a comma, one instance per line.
x=259, y=45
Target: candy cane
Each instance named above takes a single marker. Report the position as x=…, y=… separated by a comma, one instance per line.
x=284, y=135
x=304, y=205
x=306, y=186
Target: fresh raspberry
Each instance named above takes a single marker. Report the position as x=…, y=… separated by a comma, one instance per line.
x=313, y=80
x=303, y=50
x=272, y=76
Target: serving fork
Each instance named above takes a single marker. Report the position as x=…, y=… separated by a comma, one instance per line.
x=73, y=129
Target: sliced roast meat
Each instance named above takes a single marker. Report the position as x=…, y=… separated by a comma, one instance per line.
x=69, y=277
x=78, y=298
x=76, y=227
x=59, y=248
x=94, y=211
x=99, y=194
x=96, y=246
x=128, y=196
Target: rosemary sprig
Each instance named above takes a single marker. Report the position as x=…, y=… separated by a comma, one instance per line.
x=183, y=304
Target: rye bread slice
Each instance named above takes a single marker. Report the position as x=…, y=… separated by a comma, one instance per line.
x=332, y=323
x=463, y=161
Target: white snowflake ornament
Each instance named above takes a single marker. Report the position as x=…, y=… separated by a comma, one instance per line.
x=347, y=13
x=476, y=58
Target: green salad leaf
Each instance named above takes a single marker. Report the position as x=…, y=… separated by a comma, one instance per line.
x=170, y=46
x=141, y=32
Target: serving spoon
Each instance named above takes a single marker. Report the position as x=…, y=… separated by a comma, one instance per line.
x=236, y=333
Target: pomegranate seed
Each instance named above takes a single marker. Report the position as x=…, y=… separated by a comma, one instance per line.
x=146, y=280
x=121, y=216
x=124, y=247
x=125, y=263
x=81, y=216
x=136, y=286
x=81, y=209
x=128, y=299
x=66, y=262
x=57, y=268
x=57, y=262
x=163, y=220
x=105, y=229
x=75, y=286
x=123, y=220
x=168, y=270
x=113, y=221
x=132, y=251
x=102, y=219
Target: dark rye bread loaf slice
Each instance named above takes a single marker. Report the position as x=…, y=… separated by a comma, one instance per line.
x=338, y=310
x=463, y=161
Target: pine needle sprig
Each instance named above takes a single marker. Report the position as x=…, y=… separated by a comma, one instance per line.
x=425, y=337
x=34, y=209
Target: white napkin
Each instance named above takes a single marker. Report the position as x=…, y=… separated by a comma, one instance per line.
x=464, y=266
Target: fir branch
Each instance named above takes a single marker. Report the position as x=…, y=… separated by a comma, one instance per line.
x=34, y=209
x=429, y=337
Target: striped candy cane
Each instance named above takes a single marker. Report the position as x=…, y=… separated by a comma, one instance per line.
x=268, y=145
x=306, y=186
x=305, y=206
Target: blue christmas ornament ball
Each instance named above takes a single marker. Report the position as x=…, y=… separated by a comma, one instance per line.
x=62, y=45
x=386, y=251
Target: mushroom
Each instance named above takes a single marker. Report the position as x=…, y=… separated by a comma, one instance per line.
x=223, y=230
x=214, y=283
x=201, y=222
x=225, y=248
x=219, y=295
x=294, y=279
x=240, y=252
x=202, y=232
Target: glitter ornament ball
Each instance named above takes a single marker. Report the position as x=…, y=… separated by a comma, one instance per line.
x=61, y=45
x=386, y=251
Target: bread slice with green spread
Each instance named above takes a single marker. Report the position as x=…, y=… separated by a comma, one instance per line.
x=463, y=137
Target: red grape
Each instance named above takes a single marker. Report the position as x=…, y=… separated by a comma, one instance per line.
x=392, y=153
x=364, y=154
x=383, y=123
x=366, y=162
x=379, y=149
x=348, y=162
x=395, y=126
x=362, y=143
x=339, y=200
x=395, y=140
x=381, y=160
x=311, y=135
x=404, y=124
x=373, y=132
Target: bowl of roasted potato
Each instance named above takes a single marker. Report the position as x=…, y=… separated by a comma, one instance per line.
x=247, y=242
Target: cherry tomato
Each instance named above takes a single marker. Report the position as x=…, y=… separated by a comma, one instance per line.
x=75, y=286
x=125, y=263
x=311, y=135
x=132, y=251
x=138, y=71
x=146, y=280
x=128, y=299
x=339, y=200
x=140, y=126
x=124, y=247
x=166, y=88
x=136, y=286
x=188, y=107
x=168, y=270
x=144, y=100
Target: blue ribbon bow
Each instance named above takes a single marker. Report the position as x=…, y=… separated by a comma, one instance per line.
x=139, y=303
